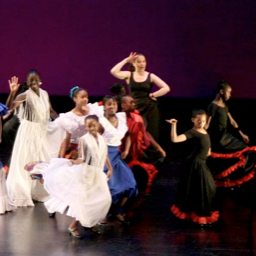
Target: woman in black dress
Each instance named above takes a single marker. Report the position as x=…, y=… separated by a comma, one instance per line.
x=232, y=162
x=140, y=83
x=196, y=191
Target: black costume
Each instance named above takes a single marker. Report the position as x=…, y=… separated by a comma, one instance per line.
x=196, y=190
x=147, y=107
x=232, y=162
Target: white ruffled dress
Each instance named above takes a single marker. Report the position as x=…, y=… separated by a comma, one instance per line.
x=81, y=189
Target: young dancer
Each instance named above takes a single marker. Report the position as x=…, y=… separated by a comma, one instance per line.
x=80, y=185
x=119, y=90
x=73, y=121
x=136, y=156
x=232, y=161
x=35, y=141
x=122, y=184
x=196, y=191
x=140, y=83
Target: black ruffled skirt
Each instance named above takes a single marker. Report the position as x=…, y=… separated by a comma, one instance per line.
x=232, y=162
x=196, y=193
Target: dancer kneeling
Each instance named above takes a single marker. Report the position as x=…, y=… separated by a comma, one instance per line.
x=196, y=191
x=80, y=185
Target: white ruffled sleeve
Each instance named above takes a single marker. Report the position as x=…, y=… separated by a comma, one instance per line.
x=95, y=109
x=67, y=122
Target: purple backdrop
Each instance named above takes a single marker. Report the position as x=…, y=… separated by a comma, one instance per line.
x=189, y=44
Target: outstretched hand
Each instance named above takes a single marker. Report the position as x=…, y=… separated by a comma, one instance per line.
x=14, y=84
x=132, y=57
x=172, y=121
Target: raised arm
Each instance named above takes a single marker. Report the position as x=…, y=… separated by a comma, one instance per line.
x=164, y=87
x=174, y=137
x=116, y=70
x=14, y=87
x=18, y=100
x=235, y=125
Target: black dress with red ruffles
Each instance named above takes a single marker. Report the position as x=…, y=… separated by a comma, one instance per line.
x=232, y=162
x=147, y=107
x=195, y=197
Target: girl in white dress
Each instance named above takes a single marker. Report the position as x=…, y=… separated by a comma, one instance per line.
x=80, y=185
x=73, y=122
x=36, y=140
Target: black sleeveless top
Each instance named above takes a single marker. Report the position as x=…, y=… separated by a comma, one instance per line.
x=140, y=89
x=147, y=107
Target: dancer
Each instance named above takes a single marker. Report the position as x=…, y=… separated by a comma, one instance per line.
x=140, y=83
x=36, y=140
x=196, y=191
x=73, y=121
x=122, y=184
x=141, y=141
x=232, y=162
x=118, y=89
x=81, y=187
x=5, y=202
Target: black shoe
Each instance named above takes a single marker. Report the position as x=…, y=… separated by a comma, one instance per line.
x=52, y=215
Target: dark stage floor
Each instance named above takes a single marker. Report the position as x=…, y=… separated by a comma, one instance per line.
x=153, y=230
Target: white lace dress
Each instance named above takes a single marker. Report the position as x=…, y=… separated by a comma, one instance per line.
x=37, y=139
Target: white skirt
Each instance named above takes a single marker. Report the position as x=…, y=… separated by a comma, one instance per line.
x=83, y=189
x=5, y=202
x=34, y=142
